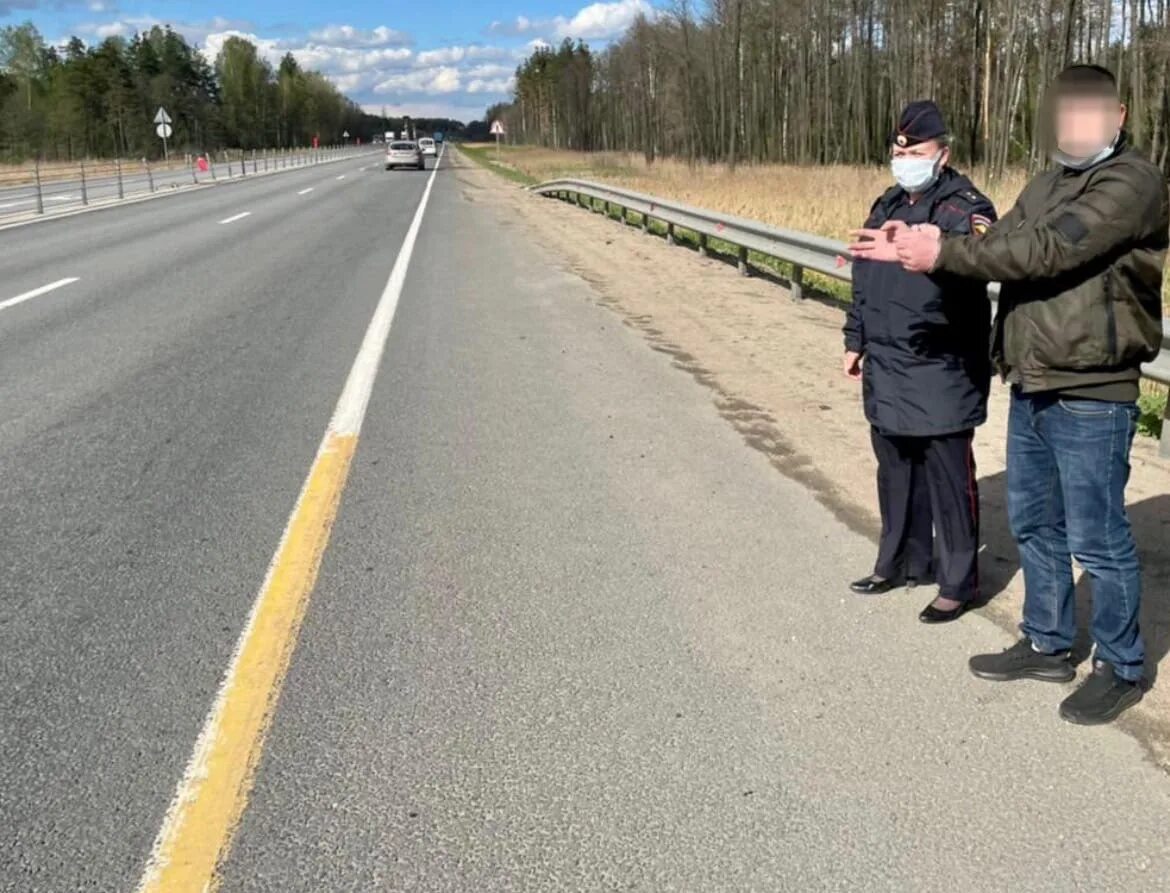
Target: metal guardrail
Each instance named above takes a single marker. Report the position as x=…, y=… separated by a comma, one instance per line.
x=803, y=251
x=41, y=189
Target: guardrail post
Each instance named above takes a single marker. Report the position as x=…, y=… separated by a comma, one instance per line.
x=40, y=192
x=645, y=224
x=702, y=244
x=1164, y=443
x=741, y=258
x=121, y=188
x=149, y=174
x=797, y=282
x=84, y=186
x=195, y=170
x=670, y=240
x=255, y=169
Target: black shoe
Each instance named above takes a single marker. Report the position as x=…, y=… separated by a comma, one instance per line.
x=873, y=585
x=1102, y=698
x=1022, y=661
x=931, y=614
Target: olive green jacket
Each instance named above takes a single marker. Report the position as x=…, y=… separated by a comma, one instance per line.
x=1080, y=259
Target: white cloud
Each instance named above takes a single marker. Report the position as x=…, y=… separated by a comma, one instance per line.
x=485, y=85
x=268, y=48
x=603, y=21
x=490, y=71
x=440, y=80
x=341, y=60
x=453, y=54
x=597, y=21
x=349, y=36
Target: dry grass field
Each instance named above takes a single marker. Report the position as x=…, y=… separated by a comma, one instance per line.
x=827, y=200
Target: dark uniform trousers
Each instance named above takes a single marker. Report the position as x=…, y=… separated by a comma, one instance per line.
x=927, y=485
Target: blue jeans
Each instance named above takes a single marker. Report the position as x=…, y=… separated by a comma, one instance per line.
x=1067, y=467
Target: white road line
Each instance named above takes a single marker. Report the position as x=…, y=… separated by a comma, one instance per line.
x=236, y=217
x=37, y=292
x=305, y=191
x=342, y=177
x=351, y=407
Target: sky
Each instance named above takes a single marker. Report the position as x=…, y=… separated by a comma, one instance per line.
x=424, y=58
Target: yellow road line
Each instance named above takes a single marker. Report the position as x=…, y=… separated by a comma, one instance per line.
x=197, y=833
x=202, y=820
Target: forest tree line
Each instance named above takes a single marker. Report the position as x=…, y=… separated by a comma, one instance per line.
x=822, y=81
x=80, y=101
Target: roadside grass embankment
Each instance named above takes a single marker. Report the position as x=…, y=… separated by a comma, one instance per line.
x=827, y=200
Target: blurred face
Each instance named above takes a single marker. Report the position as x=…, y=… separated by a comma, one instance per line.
x=1086, y=125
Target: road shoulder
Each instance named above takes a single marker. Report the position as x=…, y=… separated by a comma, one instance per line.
x=771, y=365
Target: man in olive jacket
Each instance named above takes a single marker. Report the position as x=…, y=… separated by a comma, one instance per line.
x=1080, y=257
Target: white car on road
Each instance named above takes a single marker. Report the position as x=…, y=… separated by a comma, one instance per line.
x=427, y=145
x=403, y=153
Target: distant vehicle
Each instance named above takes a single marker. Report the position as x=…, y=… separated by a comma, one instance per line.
x=438, y=136
x=427, y=145
x=404, y=154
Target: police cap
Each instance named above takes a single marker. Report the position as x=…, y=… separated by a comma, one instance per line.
x=921, y=121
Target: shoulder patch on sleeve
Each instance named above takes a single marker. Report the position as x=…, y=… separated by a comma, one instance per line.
x=980, y=223
x=1071, y=227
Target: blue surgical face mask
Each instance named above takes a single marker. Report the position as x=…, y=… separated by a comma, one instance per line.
x=915, y=174
x=1079, y=164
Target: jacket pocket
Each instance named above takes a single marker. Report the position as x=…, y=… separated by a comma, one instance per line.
x=1075, y=329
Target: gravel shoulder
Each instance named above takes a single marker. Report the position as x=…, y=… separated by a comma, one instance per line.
x=772, y=367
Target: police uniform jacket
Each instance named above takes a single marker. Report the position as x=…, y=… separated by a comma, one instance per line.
x=924, y=337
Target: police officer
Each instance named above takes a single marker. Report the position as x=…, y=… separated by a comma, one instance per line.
x=919, y=344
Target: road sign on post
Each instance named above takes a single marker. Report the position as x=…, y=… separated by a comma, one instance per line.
x=498, y=131
x=164, y=130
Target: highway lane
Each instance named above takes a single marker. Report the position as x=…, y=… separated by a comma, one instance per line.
x=157, y=418
x=33, y=252
x=570, y=633
x=68, y=194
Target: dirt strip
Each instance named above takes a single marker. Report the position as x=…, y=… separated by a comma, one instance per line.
x=772, y=366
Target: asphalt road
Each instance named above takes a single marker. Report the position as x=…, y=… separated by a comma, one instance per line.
x=68, y=194
x=570, y=633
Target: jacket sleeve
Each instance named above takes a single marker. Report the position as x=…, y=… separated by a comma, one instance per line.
x=1115, y=210
x=854, y=328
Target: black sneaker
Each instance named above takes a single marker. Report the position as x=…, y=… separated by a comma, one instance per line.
x=1022, y=661
x=1102, y=697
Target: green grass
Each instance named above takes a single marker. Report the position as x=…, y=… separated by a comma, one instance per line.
x=485, y=156
x=1153, y=411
